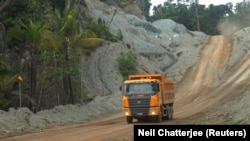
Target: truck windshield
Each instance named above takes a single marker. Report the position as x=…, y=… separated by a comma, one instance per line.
x=139, y=88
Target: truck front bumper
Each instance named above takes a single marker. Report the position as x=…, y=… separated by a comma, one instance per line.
x=152, y=111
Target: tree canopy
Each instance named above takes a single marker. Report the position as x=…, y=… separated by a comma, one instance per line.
x=197, y=17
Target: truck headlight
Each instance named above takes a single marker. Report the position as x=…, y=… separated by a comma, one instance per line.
x=126, y=112
x=154, y=111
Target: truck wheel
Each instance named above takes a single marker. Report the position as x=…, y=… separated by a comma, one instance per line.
x=171, y=111
x=159, y=118
x=129, y=119
x=170, y=114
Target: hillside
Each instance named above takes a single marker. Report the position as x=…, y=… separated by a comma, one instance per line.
x=204, y=67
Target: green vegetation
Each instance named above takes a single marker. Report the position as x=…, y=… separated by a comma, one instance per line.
x=47, y=36
x=7, y=81
x=209, y=20
x=212, y=20
x=101, y=29
x=127, y=64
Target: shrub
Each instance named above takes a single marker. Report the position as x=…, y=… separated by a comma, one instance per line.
x=127, y=64
x=102, y=30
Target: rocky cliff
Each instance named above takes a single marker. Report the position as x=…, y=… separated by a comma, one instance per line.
x=161, y=47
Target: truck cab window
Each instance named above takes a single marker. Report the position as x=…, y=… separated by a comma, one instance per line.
x=139, y=88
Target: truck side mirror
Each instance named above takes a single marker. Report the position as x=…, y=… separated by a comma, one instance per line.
x=155, y=87
x=120, y=88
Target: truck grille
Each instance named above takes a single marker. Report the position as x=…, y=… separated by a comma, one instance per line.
x=139, y=105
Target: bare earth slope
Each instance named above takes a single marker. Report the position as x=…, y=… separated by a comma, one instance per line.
x=198, y=89
x=210, y=92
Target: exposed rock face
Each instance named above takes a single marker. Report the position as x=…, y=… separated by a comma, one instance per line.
x=159, y=47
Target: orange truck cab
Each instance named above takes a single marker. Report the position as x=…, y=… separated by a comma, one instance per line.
x=147, y=96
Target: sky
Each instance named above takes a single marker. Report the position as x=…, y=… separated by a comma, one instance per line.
x=205, y=2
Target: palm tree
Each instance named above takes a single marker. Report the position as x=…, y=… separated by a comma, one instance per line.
x=3, y=4
x=63, y=35
x=69, y=35
x=32, y=36
x=196, y=4
x=7, y=81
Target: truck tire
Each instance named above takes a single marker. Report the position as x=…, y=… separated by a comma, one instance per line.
x=159, y=118
x=170, y=114
x=171, y=111
x=129, y=119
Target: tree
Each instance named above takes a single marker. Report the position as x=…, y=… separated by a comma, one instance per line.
x=4, y=4
x=197, y=17
x=69, y=35
x=2, y=36
x=241, y=18
x=195, y=4
x=211, y=18
x=144, y=6
x=7, y=80
x=31, y=35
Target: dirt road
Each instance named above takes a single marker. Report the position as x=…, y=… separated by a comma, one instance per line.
x=207, y=90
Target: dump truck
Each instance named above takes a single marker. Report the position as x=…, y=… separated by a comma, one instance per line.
x=147, y=97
